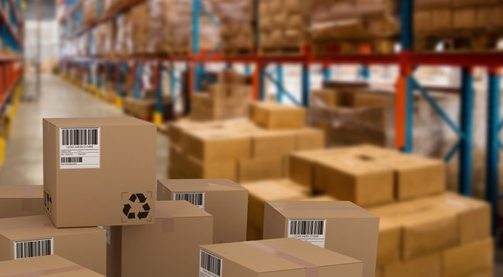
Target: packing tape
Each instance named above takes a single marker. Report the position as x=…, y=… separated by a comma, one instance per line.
x=43, y=272
x=311, y=269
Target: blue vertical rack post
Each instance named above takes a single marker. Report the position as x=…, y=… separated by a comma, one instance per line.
x=196, y=12
x=159, y=109
x=466, y=126
x=280, y=76
x=326, y=72
x=306, y=84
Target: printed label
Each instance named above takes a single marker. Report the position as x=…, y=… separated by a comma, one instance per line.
x=209, y=265
x=33, y=248
x=79, y=148
x=312, y=231
x=194, y=198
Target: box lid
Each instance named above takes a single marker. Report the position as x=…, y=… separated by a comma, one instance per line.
x=21, y=192
x=200, y=185
x=177, y=209
x=320, y=209
x=269, y=190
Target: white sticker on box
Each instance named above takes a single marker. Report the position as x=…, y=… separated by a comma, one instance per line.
x=79, y=148
x=195, y=198
x=308, y=230
x=209, y=265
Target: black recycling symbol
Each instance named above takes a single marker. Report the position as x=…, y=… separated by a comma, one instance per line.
x=138, y=200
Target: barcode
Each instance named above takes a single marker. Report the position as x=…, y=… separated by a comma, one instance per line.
x=196, y=199
x=33, y=248
x=79, y=136
x=68, y=160
x=307, y=227
x=210, y=264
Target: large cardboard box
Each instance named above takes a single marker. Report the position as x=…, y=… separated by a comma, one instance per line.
x=309, y=139
x=217, y=145
x=45, y=266
x=429, y=265
x=273, y=144
x=260, y=169
x=196, y=168
x=170, y=245
x=16, y=201
x=339, y=226
x=32, y=236
x=470, y=259
x=91, y=163
x=389, y=242
x=224, y=199
x=276, y=116
x=279, y=258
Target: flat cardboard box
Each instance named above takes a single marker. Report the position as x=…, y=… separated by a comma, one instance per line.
x=45, y=266
x=170, y=245
x=429, y=265
x=196, y=168
x=217, y=145
x=16, y=201
x=224, y=199
x=309, y=139
x=470, y=259
x=84, y=246
x=273, y=144
x=260, y=169
x=276, y=116
x=278, y=258
x=113, y=166
x=339, y=226
x=268, y=190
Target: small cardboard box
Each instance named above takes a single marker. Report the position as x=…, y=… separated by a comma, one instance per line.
x=278, y=258
x=269, y=190
x=470, y=259
x=224, y=199
x=276, y=116
x=45, y=266
x=16, y=201
x=429, y=265
x=172, y=243
x=31, y=236
x=260, y=169
x=339, y=226
x=91, y=163
x=217, y=145
x=273, y=144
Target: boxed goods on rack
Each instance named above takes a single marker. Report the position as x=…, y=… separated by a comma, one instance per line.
x=236, y=25
x=104, y=39
x=16, y=201
x=40, y=266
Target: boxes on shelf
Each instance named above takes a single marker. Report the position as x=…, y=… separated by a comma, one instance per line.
x=171, y=244
x=225, y=200
x=16, y=201
x=236, y=30
x=40, y=266
x=144, y=108
x=281, y=257
x=367, y=175
x=31, y=236
x=88, y=166
x=339, y=226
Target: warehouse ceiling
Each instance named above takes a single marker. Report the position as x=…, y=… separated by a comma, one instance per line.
x=47, y=8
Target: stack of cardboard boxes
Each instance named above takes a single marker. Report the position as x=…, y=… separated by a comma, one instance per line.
x=237, y=30
x=241, y=150
x=227, y=99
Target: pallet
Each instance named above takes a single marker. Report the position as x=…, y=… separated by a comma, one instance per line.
x=458, y=41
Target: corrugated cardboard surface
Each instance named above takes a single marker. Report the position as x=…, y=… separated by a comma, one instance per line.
x=16, y=201
x=45, y=266
x=276, y=116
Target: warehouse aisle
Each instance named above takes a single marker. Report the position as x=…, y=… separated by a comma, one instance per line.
x=23, y=164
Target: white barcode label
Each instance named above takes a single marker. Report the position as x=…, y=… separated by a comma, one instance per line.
x=209, y=265
x=33, y=248
x=312, y=231
x=79, y=148
x=195, y=198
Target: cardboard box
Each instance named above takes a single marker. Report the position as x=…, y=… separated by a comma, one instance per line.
x=465, y=18
x=339, y=226
x=171, y=244
x=470, y=259
x=45, y=266
x=389, y=242
x=269, y=190
x=281, y=258
x=16, y=201
x=89, y=164
x=309, y=139
x=441, y=19
x=260, y=169
x=302, y=164
x=217, y=145
x=210, y=169
x=275, y=116
x=225, y=200
x=429, y=265
x=273, y=144
x=30, y=236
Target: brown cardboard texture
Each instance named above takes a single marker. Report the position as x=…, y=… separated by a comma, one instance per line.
x=24, y=237
x=470, y=259
x=273, y=144
x=196, y=168
x=217, y=145
x=389, y=242
x=92, y=163
x=45, y=266
x=224, y=199
x=429, y=265
x=276, y=116
x=171, y=245
x=339, y=226
x=278, y=258
x=260, y=169
x=309, y=139
x=16, y=201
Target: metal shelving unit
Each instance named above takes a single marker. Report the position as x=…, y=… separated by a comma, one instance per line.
x=407, y=60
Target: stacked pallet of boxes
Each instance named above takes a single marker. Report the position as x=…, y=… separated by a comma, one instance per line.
x=236, y=30
x=240, y=150
x=352, y=114
x=227, y=99
x=347, y=26
x=458, y=24
x=283, y=25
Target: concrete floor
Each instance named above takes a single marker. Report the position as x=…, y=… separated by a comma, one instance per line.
x=58, y=99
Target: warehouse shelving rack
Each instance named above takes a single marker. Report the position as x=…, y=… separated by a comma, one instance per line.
x=407, y=60
x=11, y=65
